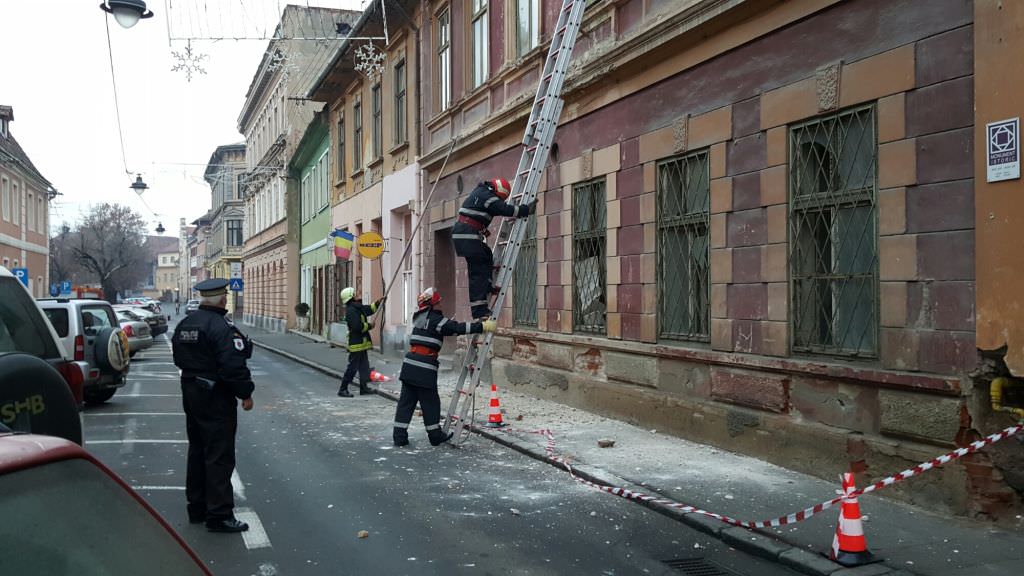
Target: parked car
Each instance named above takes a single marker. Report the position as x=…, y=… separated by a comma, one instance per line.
x=137, y=331
x=31, y=352
x=65, y=512
x=192, y=306
x=90, y=328
x=143, y=302
x=157, y=322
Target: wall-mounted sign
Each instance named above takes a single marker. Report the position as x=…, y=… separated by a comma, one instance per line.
x=370, y=245
x=1003, y=147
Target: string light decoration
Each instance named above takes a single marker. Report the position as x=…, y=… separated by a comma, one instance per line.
x=370, y=60
x=189, y=62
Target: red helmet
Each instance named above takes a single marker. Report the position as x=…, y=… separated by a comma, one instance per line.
x=501, y=187
x=428, y=297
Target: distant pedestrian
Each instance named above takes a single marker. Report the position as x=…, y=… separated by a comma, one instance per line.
x=211, y=353
x=177, y=306
x=419, y=368
x=359, y=343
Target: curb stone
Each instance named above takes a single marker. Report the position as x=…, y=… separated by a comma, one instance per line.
x=740, y=538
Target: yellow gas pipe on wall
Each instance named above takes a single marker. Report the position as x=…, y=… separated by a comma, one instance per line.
x=995, y=394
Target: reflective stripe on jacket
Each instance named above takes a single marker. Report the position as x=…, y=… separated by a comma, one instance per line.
x=356, y=314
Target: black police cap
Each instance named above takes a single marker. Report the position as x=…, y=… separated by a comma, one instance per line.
x=212, y=287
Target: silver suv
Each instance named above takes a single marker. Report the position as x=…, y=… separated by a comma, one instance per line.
x=90, y=329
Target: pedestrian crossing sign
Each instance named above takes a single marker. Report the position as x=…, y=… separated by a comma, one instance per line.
x=236, y=284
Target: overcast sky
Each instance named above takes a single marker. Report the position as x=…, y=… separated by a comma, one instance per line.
x=56, y=75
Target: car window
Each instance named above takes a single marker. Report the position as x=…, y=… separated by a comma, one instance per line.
x=95, y=318
x=69, y=517
x=58, y=317
x=22, y=327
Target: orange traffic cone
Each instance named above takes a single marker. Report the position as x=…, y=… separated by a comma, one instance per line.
x=494, y=416
x=850, y=547
x=378, y=377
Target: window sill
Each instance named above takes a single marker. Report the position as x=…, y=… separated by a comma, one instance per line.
x=375, y=162
x=399, y=147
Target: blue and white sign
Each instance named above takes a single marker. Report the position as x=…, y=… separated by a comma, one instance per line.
x=236, y=284
x=65, y=287
x=55, y=289
x=1003, y=147
x=21, y=274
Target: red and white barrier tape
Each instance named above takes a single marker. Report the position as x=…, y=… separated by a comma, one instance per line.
x=782, y=520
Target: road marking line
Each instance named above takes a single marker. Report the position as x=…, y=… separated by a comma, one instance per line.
x=237, y=486
x=149, y=395
x=137, y=441
x=138, y=488
x=133, y=414
x=256, y=536
x=127, y=444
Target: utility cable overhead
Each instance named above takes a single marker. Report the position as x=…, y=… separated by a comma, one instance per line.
x=117, y=105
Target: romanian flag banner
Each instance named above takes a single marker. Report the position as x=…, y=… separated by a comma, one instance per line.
x=343, y=243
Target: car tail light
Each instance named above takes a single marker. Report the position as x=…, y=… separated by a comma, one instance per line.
x=79, y=348
x=75, y=378
x=128, y=331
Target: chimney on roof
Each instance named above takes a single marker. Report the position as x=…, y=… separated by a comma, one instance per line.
x=6, y=117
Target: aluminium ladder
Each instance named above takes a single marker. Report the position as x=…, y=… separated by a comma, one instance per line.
x=540, y=132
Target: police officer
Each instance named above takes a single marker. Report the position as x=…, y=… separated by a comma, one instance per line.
x=419, y=368
x=469, y=237
x=211, y=353
x=359, y=343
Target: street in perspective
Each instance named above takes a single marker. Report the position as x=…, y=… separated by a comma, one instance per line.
x=529, y=287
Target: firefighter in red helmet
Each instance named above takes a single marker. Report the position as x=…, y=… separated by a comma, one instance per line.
x=419, y=368
x=469, y=234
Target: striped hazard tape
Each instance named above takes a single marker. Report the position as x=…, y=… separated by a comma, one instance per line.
x=782, y=520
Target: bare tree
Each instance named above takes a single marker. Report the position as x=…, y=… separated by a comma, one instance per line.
x=64, y=264
x=110, y=245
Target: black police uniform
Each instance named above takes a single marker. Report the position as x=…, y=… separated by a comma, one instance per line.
x=211, y=353
x=468, y=236
x=419, y=373
x=359, y=344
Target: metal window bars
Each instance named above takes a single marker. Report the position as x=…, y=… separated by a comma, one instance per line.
x=684, y=197
x=588, y=265
x=524, y=296
x=833, y=234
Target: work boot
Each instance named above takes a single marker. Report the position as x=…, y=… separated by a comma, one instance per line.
x=343, y=391
x=226, y=525
x=401, y=437
x=438, y=437
x=364, y=389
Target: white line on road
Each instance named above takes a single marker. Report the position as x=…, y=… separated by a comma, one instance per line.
x=149, y=395
x=137, y=441
x=138, y=488
x=237, y=486
x=129, y=436
x=134, y=414
x=256, y=536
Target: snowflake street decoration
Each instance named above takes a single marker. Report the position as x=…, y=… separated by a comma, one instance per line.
x=370, y=60
x=189, y=62
x=280, y=61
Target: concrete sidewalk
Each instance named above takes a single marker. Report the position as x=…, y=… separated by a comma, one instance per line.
x=910, y=540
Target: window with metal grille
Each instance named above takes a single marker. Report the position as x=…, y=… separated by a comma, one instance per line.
x=684, y=196
x=399, y=112
x=444, y=60
x=588, y=253
x=357, y=136
x=377, y=128
x=524, y=300
x=833, y=254
x=481, y=53
x=341, y=146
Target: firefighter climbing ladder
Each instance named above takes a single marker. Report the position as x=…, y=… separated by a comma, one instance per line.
x=540, y=132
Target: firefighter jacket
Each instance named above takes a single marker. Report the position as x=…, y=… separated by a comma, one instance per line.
x=209, y=348
x=479, y=208
x=356, y=314
x=429, y=327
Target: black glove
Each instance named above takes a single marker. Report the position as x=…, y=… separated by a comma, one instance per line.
x=531, y=208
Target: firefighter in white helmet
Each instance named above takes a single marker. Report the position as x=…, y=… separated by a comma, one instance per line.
x=419, y=368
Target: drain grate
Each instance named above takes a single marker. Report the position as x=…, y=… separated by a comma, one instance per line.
x=698, y=567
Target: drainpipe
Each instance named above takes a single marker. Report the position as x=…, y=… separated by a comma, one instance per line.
x=995, y=394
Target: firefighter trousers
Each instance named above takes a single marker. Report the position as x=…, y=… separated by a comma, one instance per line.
x=480, y=265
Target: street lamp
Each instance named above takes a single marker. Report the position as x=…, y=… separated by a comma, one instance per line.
x=160, y=228
x=139, y=186
x=126, y=12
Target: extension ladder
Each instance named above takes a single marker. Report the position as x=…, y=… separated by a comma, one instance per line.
x=540, y=132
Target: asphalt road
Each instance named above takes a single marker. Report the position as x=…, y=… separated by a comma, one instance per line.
x=314, y=470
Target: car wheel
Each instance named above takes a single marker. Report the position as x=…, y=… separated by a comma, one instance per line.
x=99, y=396
x=112, y=350
x=35, y=398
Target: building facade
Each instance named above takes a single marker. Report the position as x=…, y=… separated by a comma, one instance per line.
x=273, y=120
x=24, y=212
x=225, y=173
x=757, y=225
x=183, y=291
x=374, y=133
x=310, y=166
